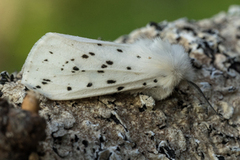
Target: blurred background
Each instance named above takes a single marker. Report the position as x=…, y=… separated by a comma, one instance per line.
x=23, y=22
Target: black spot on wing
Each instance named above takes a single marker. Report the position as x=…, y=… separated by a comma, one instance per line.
x=89, y=84
x=83, y=70
x=48, y=80
x=44, y=82
x=111, y=81
x=100, y=71
x=155, y=80
x=72, y=59
x=120, y=88
x=99, y=44
x=46, y=60
x=50, y=52
x=119, y=50
x=129, y=68
x=104, y=66
x=92, y=54
x=138, y=56
x=38, y=86
x=144, y=83
x=109, y=62
x=85, y=56
x=75, y=68
x=69, y=88
x=66, y=62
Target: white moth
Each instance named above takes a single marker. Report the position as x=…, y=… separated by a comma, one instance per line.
x=64, y=67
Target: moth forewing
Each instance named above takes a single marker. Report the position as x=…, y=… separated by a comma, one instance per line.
x=63, y=67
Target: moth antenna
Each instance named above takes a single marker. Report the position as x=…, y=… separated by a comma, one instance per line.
x=200, y=91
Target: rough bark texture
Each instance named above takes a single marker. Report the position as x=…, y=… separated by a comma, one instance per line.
x=20, y=132
x=124, y=126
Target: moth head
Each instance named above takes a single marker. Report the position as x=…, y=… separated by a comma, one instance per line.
x=182, y=63
x=183, y=70
x=177, y=66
